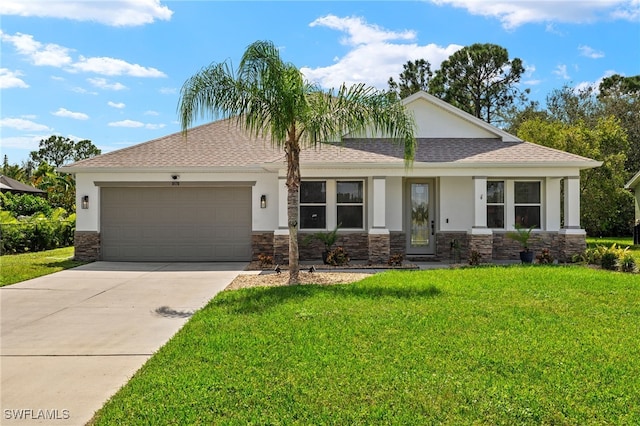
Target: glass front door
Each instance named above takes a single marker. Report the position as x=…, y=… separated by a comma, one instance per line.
x=419, y=218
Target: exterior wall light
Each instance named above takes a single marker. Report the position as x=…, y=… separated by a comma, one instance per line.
x=263, y=201
x=85, y=202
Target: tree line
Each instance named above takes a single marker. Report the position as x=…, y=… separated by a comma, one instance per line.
x=40, y=171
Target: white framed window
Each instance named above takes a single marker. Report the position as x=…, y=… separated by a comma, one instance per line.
x=527, y=204
x=324, y=204
x=495, y=204
x=350, y=204
x=313, y=205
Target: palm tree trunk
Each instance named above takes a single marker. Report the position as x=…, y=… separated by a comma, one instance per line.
x=292, y=150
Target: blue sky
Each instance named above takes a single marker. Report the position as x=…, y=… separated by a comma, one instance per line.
x=111, y=72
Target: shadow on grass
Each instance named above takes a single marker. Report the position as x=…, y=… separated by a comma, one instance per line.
x=64, y=264
x=259, y=299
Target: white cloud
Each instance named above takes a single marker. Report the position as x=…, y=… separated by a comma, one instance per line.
x=103, y=83
x=515, y=13
x=53, y=55
x=83, y=91
x=10, y=79
x=22, y=124
x=151, y=113
x=113, y=66
x=115, y=13
x=118, y=105
x=136, y=124
x=126, y=123
x=374, y=57
x=28, y=143
x=359, y=31
x=168, y=90
x=38, y=54
x=561, y=71
x=590, y=52
x=594, y=85
x=62, y=112
x=154, y=126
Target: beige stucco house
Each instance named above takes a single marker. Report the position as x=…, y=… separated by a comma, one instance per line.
x=220, y=195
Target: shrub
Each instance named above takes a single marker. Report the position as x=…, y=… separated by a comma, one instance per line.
x=265, y=260
x=25, y=204
x=338, y=257
x=36, y=233
x=474, y=258
x=545, y=258
x=396, y=259
x=628, y=263
x=609, y=261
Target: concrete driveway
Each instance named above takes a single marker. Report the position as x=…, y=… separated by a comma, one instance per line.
x=70, y=340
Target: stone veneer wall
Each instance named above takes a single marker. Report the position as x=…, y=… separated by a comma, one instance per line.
x=362, y=246
x=355, y=243
x=504, y=248
x=445, y=250
x=87, y=245
x=262, y=243
x=397, y=243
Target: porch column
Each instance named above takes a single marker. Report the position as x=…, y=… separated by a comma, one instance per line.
x=552, y=204
x=379, y=237
x=479, y=202
x=572, y=202
x=281, y=235
x=481, y=237
x=572, y=238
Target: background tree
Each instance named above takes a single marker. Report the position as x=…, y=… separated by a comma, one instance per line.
x=57, y=151
x=269, y=97
x=414, y=78
x=479, y=79
x=606, y=208
x=620, y=97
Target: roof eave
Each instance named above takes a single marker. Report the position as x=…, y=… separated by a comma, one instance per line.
x=635, y=181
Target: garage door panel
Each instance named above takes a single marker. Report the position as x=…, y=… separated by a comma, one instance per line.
x=176, y=224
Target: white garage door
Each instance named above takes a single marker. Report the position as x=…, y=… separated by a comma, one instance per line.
x=176, y=224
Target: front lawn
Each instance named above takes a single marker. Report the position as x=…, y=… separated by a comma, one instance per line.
x=516, y=345
x=22, y=267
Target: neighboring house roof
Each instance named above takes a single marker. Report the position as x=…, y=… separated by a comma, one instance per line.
x=634, y=182
x=11, y=185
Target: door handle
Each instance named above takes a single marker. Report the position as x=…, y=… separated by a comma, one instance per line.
x=433, y=227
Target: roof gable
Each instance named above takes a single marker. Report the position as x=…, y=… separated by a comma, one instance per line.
x=436, y=118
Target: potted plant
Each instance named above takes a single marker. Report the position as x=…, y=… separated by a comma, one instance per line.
x=326, y=238
x=523, y=235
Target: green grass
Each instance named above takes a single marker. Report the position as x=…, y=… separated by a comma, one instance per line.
x=21, y=267
x=516, y=345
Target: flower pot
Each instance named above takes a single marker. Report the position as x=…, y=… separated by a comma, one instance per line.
x=526, y=256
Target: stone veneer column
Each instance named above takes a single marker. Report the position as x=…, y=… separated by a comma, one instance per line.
x=481, y=242
x=87, y=245
x=379, y=246
x=379, y=236
x=571, y=242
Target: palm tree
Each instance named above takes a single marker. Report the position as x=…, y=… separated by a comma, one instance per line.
x=270, y=97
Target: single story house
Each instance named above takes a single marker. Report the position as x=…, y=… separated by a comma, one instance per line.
x=634, y=186
x=220, y=195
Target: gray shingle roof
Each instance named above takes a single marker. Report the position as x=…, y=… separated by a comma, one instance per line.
x=222, y=144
